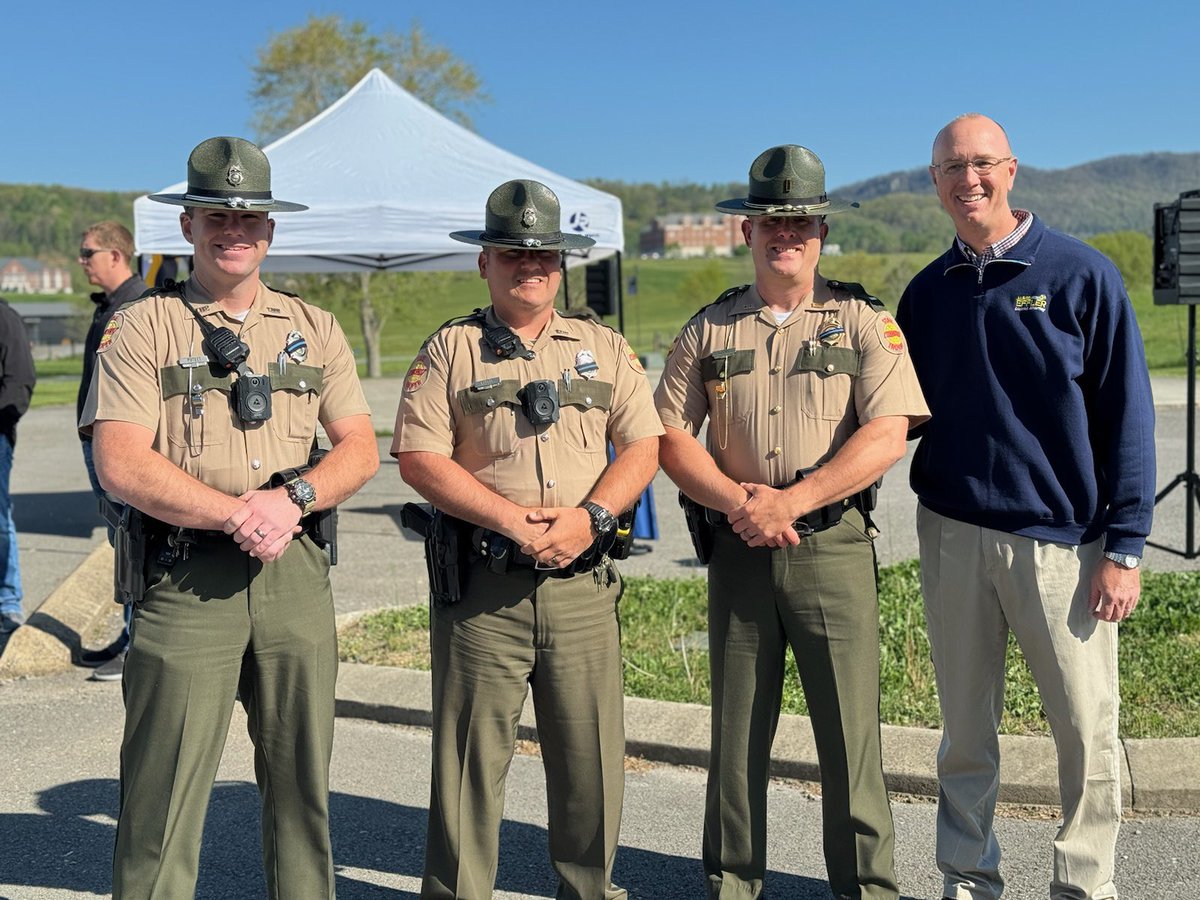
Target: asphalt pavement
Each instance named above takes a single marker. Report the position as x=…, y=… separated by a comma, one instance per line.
x=61, y=733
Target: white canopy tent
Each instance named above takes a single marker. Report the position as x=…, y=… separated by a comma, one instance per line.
x=387, y=179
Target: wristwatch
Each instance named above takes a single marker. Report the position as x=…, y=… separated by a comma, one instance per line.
x=1124, y=560
x=603, y=522
x=302, y=494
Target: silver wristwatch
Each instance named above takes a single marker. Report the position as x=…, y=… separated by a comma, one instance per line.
x=302, y=494
x=603, y=522
x=1124, y=560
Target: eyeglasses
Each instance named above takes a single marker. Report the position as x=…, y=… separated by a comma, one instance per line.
x=952, y=168
x=89, y=252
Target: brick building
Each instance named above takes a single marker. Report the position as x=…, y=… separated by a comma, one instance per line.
x=21, y=275
x=691, y=234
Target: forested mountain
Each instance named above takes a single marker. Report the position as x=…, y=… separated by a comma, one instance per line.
x=1117, y=193
x=45, y=221
x=899, y=211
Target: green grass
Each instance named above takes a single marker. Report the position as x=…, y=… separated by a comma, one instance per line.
x=661, y=620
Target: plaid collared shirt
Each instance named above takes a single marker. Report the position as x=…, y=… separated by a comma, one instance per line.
x=1002, y=246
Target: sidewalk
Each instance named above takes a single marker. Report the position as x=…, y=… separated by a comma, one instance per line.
x=67, y=567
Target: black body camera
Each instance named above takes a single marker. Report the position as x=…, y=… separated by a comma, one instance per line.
x=252, y=397
x=539, y=400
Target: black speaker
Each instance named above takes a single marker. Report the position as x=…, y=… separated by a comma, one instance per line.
x=1177, y=250
x=603, y=284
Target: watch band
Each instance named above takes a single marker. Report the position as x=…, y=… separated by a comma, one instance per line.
x=1124, y=560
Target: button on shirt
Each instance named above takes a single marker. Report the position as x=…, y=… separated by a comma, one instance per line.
x=785, y=396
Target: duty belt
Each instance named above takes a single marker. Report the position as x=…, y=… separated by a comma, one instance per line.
x=501, y=554
x=810, y=523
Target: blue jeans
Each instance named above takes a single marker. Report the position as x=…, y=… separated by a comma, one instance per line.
x=10, y=569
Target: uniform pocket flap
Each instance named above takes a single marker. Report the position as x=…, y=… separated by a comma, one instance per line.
x=726, y=363
x=175, y=380
x=296, y=378
x=586, y=394
x=476, y=400
x=828, y=361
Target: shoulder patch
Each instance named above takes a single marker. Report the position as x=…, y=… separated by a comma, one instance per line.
x=111, y=328
x=856, y=290
x=891, y=338
x=418, y=373
x=635, y=361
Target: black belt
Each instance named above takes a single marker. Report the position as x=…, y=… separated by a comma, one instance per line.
x=501, y=553
x=812, y=522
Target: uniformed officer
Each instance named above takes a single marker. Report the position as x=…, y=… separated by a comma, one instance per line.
x=189, y=424
x=503, y=424
x=792, y=372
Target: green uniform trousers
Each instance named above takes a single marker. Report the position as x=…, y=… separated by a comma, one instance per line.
x=511, y=632
x=220, y=624
x=820, y=598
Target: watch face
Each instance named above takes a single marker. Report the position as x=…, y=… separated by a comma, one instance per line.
x=301, y=492
x=602, y=520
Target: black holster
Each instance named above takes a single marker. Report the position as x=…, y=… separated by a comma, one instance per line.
x=446, y=557
x=698, y=526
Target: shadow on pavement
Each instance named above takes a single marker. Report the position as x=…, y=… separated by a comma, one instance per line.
x=68, y=846
x=68, y=514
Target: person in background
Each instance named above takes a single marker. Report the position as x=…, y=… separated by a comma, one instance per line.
x=106, y=256
x=17, y=378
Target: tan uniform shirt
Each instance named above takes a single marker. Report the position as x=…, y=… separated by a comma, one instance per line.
x=785, y=396
x=460, y=400
x=152, y=371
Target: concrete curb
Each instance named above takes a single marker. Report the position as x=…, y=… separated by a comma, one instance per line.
x=50, y=640
x=1157, y=775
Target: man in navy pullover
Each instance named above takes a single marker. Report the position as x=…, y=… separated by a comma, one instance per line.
x=1036, y=484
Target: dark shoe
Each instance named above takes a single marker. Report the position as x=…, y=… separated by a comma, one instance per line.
x=92, y=658
x=10, y=622
x=111, y=670
x=636, y=549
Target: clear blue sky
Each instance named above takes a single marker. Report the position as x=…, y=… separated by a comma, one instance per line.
x=114, y=96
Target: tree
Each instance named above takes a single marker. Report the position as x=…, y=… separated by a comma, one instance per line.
x=303, y=70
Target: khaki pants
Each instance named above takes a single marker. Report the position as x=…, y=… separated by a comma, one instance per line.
x=511, y=632
x=820, y=599
x=218, y=625
x=979, y=584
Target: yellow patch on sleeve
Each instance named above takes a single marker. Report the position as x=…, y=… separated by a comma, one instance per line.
x=635, y=361
x=418, y=373
x=110, y=331
x=890, y=335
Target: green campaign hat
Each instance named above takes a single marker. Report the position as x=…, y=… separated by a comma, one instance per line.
x=526, y=214
x=229, y=173
x=786, y=181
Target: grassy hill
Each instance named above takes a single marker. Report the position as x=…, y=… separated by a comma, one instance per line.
x=900, y=213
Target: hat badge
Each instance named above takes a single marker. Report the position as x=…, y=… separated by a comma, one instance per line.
x=235, y=175
x=529, y=217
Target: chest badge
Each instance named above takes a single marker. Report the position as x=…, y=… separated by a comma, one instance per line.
x=296, y=347
x=585, y=364
x=831, y=334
